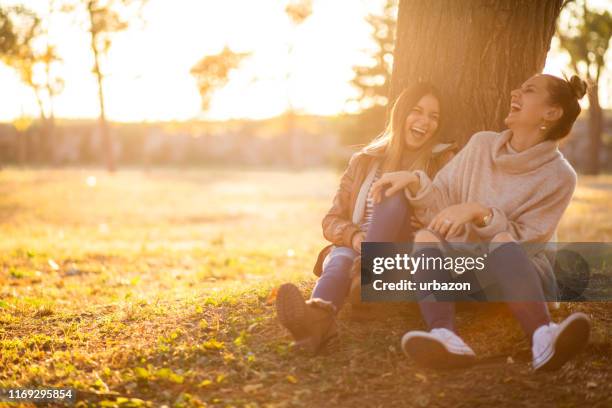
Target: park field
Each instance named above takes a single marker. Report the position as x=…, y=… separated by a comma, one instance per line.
x=157, y=288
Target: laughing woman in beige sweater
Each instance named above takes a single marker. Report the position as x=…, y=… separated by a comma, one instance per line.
x=502, y=188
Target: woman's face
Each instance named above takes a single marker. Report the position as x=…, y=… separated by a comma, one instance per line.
x=529, y=106
x=422, y=122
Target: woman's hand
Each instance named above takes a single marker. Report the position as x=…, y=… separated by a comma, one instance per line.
x=415, y=224
x=394, y=181
x=357, y=240
x=450, y=221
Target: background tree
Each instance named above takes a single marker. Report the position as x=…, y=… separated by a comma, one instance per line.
x=373, y=79
x=298, y=12
x=103, y=19
x=586, y=38
x=7, y=34
x=52, y=83
x=475, y=52
x=50, y=59
x=34, y=58
x=21, y=27
x=212, y=72
x=38, y=72
x=26, y=47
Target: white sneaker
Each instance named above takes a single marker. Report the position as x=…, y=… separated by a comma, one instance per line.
x=555, y=344
x=440, y=348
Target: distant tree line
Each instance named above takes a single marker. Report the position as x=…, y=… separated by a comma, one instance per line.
x=408, y=44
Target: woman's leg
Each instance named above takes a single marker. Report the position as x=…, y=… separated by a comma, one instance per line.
x=335, y=281
x=390, y=220
x=518, y=279
x=513, y=274
x=440, y=347
x=437, y=314
x=312, y=323
x=552, y=344
x=390, y=223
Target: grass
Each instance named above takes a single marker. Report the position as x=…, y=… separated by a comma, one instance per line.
x=151, y=289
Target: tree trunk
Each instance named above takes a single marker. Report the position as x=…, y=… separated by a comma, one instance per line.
x=22, y=147
x=595, y=131
x=51, y=142
x=39, y=102
x=475, y=52
x=107, y=142
x=41, y=140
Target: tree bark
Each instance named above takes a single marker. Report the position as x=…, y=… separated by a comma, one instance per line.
x=475, y=52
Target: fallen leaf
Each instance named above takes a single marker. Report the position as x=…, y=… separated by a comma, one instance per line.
x=205, y=383
x=251, y=387
x=53, y=264
x=272, y=296
x=421, y=377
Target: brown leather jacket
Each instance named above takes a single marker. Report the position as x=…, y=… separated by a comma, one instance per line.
x=338, y=227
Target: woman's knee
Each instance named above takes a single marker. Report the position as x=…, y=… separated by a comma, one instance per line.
x=426, y=239
x=339, y=261
x=396, y=203
x=502, y=237
x=425, y=236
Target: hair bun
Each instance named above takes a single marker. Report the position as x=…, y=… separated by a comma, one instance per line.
x=579, y=87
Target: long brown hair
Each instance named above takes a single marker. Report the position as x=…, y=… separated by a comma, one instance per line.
x=391, y=142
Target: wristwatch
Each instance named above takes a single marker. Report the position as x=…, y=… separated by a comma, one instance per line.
x=486, y=220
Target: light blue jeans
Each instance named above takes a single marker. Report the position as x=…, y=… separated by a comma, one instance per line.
x=390, y=223
x=335, y=281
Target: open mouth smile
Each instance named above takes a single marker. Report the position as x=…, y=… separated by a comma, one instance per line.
x=418, y=133
x=515, y=107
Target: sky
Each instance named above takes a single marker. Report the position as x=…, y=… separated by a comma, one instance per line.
x=148, y=66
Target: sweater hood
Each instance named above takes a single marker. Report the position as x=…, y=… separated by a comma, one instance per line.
x=525, y=161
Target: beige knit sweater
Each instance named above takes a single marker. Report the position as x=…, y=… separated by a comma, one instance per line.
x=527, y=191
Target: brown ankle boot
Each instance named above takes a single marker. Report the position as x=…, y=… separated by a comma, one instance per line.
x=312, y=323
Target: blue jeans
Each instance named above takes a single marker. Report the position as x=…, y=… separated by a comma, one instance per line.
x=390, y=223
x=513, y=275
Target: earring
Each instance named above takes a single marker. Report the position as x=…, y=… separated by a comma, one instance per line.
x=543, y=127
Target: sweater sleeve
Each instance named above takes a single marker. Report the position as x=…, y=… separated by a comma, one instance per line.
x=539, y=222
x=437, y=194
